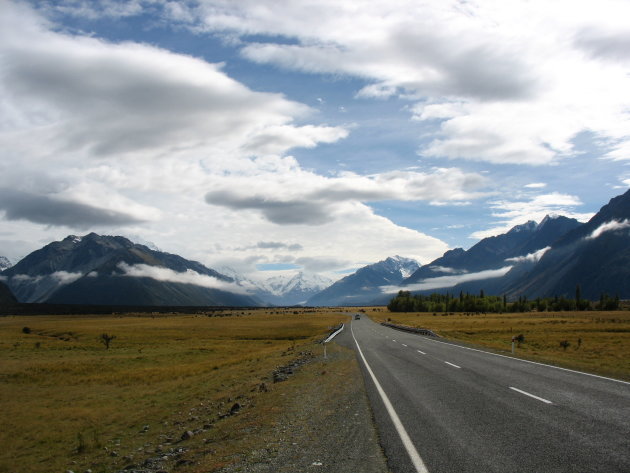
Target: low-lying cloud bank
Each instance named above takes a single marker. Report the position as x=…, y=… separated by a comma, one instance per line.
x=611, y=226
x=530, y=257
x=188, y=277
x=448, y=281
x=60, y=277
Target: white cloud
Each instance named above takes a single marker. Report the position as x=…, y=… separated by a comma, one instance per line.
x=530, y=257
x=611, y=226
x=188, y=277
x=64, y=277
x=444, y=269
x=512, y=82
x=535, y=185
x=448, y=281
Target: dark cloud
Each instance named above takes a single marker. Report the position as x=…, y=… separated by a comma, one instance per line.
x=46, y=210
x=605, y=45
x=294, y=212
x=480, y=70
x=277, y=245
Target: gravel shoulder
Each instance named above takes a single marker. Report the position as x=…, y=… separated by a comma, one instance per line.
x=325, y=423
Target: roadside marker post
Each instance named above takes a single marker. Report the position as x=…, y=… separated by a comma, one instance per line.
x=513, y=340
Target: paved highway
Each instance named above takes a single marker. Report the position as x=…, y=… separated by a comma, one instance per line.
x=441, y=407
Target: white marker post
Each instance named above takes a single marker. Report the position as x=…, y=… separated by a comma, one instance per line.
x=513, y=340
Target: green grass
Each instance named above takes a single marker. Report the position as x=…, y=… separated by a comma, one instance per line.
x=67, y=402
x=599, y=342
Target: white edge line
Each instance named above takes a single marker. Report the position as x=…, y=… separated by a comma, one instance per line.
x=333, y=335
x=531, y=362
x=421, y=352
x=531, y=395
x=455, y=366
x=414, y=456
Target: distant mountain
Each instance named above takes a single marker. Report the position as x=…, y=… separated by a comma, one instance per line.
x=362, y=287
x=4, y=263
x=492, y=253
x=111, y=270
x=595, y=255
x=6, y=296
x=297, y=289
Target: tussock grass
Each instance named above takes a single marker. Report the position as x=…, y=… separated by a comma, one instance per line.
x=68, y=403
x=599, y=342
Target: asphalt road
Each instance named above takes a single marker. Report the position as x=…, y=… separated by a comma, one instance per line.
x=441, y=407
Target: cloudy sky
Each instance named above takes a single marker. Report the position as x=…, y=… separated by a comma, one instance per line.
x=307, y=134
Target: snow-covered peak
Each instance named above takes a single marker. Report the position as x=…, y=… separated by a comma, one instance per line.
x=406, y=266
x=286, y=283
x=5, y=263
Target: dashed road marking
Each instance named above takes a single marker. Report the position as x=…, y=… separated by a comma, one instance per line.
x=454, y=366
x=531, y=395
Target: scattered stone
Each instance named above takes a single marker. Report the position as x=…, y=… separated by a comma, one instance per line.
x=235, y=408
x=188, y=435
x=113, y=453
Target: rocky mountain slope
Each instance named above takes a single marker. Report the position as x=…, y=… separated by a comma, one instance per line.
x=362, y=287
x=112, y=270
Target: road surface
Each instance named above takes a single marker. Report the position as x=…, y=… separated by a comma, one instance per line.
x=441, y=407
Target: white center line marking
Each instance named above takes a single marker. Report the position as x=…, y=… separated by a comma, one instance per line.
x=531, y=395
x=393, y=340
x=454, y=366
x=404, y=345
x=421, y=352
x=414, y=456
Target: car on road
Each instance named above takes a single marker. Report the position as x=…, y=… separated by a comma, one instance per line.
x=357, y=316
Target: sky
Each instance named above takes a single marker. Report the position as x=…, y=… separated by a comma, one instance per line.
x=277, y=135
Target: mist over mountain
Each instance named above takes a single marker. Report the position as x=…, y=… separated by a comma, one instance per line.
x=493, y=253
x=362, y=287
x=111, y=270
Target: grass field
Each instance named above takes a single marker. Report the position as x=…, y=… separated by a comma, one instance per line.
x=598, y=342
x=70, y=403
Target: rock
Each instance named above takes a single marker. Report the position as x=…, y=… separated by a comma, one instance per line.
x=235, y=408
x=187, y=435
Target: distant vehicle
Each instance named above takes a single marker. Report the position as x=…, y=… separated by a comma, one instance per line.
x=357, y=316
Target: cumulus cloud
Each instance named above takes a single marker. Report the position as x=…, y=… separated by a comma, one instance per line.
x=48, y=210
x=301, y=197
x=448, y=281
x=510, y=82
x=530, y=257
x=612, y=226
x=188, y=277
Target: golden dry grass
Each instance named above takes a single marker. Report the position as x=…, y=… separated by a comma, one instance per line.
x=605, y=336
x=67, y=402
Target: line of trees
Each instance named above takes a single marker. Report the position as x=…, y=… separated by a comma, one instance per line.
x=406, y=302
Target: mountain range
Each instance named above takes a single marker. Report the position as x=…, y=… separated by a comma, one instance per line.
x=111, y=270
x=534, y=259
x=282, y=290
x=546, y=259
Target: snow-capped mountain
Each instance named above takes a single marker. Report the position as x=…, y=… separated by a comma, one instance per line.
x=5, y=263
x=292, y=289
x=281, y=290
x=362, y=287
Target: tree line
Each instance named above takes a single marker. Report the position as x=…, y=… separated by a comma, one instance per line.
x=465, y=302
